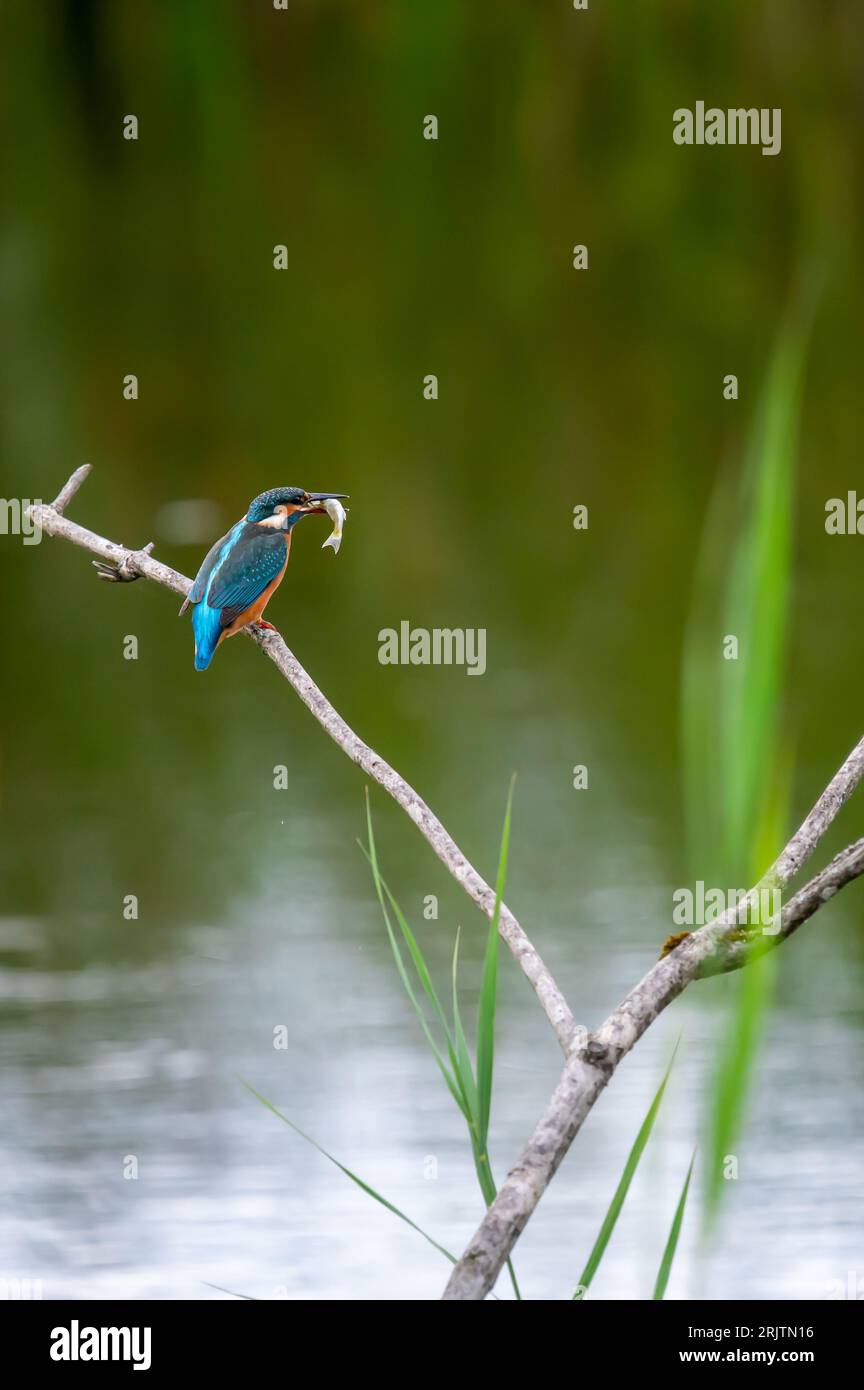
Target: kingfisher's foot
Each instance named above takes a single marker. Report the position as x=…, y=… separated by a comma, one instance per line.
x=268, y=627
x=121, y=571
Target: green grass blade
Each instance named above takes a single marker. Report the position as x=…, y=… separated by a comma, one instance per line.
x=757, y=604
x=364, y=1186
x=742, y=588
x=383, y=891
x=675, y=1231
x=230, y=1292
x=732, y=739
x=733, y=1074
x=385, y=896
x=623, y=1187
x=753, y=995
x=701, y=669
x=463, y=1066
x=489, y=986
x=755, y=780
x=459, y=1077
x=453, y=1076
x=466, y=1076
x=513, y=1280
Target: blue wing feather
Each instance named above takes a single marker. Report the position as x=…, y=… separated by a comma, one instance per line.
x=234, y=574
x=196, y=593
x=252, y=562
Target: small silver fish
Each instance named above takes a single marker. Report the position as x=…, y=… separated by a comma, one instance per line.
x=337, y=513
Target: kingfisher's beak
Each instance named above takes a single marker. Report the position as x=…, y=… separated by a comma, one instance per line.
x=315, y=499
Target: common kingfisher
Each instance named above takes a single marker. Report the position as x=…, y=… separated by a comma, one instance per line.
x=245, y=568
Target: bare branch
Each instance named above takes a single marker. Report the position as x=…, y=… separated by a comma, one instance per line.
x=130, y=564
x=70, y=487
x=844, y=867
x=589, y=1068
x=813, y=827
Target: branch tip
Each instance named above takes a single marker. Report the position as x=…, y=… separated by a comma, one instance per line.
x=70, y=487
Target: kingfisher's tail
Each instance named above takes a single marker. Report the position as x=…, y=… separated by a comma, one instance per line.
x=207, y=626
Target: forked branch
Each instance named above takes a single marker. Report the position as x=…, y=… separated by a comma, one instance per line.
x=591, y=1059
x=719, y=945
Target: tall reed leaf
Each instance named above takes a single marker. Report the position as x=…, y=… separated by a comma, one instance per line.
x=757, y=605
x=735, y=763
x=471, y=1091
x=489, y=986
x=463, y=1063
x=675, y=1231
x=730, y=730
x=739, y=1046
x=450, y=1074
x=364, y=1186
x=744, y=1027
x=623, y=1187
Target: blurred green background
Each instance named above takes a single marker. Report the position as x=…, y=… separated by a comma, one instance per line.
x=557, y=387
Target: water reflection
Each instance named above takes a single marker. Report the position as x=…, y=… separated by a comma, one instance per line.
x=146, y=1057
